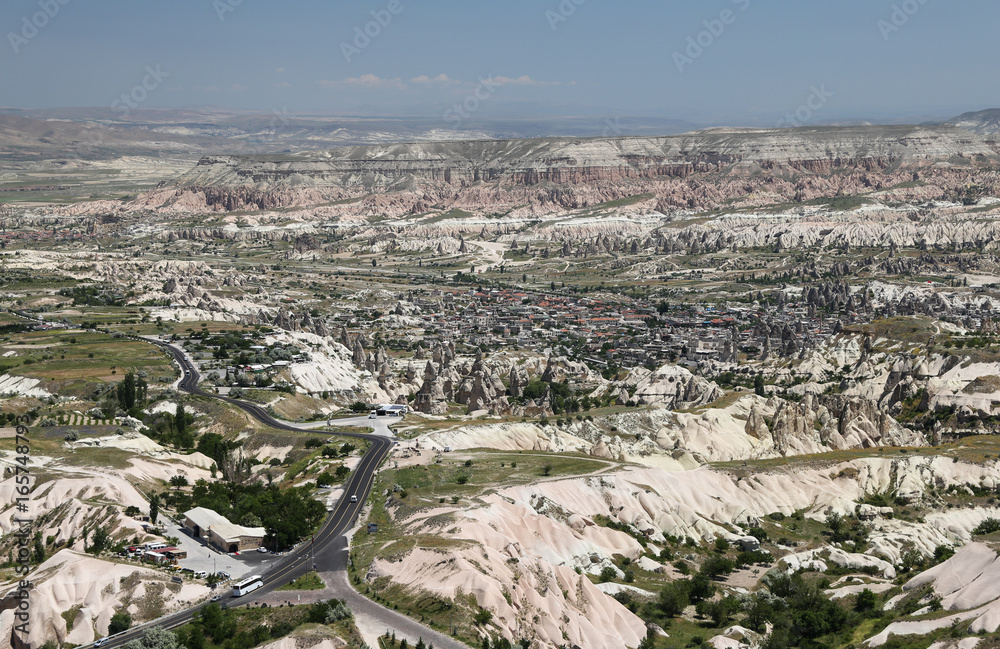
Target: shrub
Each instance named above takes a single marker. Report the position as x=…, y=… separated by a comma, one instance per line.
x=120, y=621
x=482, y=617
x=337, y=611
x=866, y=601
x=988, y=526
x=943, y=553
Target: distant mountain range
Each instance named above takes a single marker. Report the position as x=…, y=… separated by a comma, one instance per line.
x=95, y=133
x=98, y=133
x=983, y=122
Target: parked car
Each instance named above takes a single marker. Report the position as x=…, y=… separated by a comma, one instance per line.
x=262, y=550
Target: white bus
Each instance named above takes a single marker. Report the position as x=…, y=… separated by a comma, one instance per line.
x=248, y=585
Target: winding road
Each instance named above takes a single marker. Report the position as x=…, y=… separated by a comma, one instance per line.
x=327, y=552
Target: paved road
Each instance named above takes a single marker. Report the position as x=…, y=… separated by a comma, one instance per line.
x=327, y=550
x=372, y=619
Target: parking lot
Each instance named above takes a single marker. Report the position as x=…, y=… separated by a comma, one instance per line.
x=201, y=556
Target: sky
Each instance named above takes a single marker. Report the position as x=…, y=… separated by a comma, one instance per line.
x=706, y=61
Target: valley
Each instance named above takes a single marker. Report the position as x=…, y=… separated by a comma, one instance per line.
x=654, y=391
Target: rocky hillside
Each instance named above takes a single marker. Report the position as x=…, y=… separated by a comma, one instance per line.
x=566, y=160
x=701, y=170
x=983, y=122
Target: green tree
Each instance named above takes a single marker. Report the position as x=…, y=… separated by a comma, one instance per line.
x=39, y=548
x=100, y=541
x=120, y=621
x=126, y=392
x=866, y=602
x=214, y=446
x=178, y=481
x=701, y=587
x=180, y=419
x=154, y=638
x=758, y=385
x=720, y=611
x=674, y=598
x=716, y=566
x=154, y=506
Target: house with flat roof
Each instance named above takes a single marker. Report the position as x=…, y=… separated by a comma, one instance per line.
x=218, y=531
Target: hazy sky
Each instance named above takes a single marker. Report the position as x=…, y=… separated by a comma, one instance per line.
x=724, y=61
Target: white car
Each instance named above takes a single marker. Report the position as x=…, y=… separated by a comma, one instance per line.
x=354, y=499
x=103, y=641
x=373, y=416
x=262, y=550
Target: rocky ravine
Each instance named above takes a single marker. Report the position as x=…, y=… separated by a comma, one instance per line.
x=518, y=550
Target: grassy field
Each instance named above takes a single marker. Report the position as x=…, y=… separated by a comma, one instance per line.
x=73, y=363
x=484, y=470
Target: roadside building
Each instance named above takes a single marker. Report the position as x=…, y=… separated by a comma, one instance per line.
x=219, y=532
